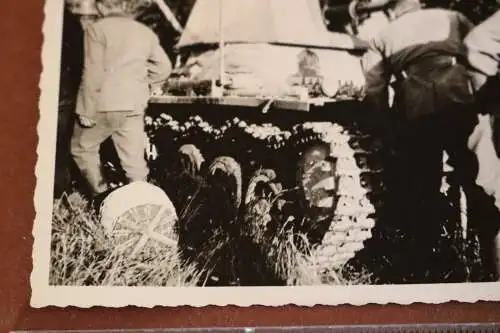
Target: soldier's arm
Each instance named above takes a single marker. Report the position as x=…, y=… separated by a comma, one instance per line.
x=376, y=76
x=93, y=72
x=160, y=65
x=483, y=47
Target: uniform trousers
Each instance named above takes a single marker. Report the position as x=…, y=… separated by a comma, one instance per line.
x=126, y=129
x=417, y=180
x=416, y=169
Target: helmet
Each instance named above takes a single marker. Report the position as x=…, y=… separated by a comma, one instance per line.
x=82, y=7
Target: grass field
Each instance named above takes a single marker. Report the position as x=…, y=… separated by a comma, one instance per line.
x=82, y=255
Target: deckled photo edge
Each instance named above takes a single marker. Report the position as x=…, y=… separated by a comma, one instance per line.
x=116, y=297
x=44, y=295
x=46, y=131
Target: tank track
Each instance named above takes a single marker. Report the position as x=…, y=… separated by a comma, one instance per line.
x=356, y=178
x=354, y=186
x=360, y=199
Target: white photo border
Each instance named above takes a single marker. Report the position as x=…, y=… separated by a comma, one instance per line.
x=62, y=296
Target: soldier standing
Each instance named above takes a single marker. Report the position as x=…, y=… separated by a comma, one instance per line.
x=122, y=59
x=423, y=50
x=483, y=44
x=483, y=54
x=77, y=16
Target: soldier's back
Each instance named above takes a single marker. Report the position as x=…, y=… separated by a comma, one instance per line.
x=125, y=38
x=422, y=32
x=128, y=45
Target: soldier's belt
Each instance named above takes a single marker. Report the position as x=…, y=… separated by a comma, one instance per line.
x=422, y=65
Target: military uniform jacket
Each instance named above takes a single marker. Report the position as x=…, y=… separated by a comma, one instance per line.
x=418, y=49
x=483, y=44
x=122, y=58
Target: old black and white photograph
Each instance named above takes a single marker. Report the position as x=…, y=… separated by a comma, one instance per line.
x=197, y=152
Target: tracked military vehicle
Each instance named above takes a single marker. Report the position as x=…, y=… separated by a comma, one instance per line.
x=267, y=100
x=261, y=132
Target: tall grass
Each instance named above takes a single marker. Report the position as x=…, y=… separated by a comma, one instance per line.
x=215, y=247
x=288, y=252
x=82, y=254
x=294, y=261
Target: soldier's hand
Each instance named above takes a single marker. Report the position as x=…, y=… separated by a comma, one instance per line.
x=85, y=122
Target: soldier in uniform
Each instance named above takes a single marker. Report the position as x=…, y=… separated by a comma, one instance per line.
x=123, y=59
x=77, y=16
x=483, y=44
x=421, y=54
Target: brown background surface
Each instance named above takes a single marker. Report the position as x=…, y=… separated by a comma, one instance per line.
x=21, y=39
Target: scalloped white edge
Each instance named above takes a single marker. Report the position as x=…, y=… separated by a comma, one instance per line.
x=62, y=296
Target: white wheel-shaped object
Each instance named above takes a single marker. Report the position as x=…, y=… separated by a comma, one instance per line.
x=232, y=170
x=139, y=217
